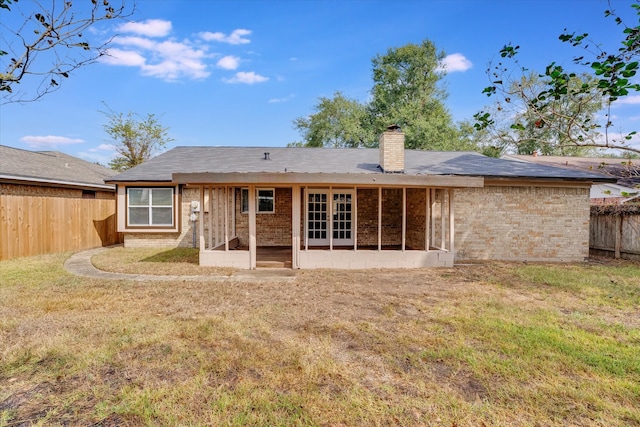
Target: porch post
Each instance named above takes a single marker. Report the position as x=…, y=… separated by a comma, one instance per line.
x=442, y=223
x=295, y=226
x=226, y=219
x=330, y=217
x=404, y=217
x=306, y=218
x=218, y=219
x=252, y=227
x=354, y=218
x=201, y=222
x=433, y=218
x=379, y=218
x=427, y=215
x=451, y=222
x=211, y=213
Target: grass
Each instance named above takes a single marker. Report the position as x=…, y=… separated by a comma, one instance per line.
x=491, y=344
x=177, y=261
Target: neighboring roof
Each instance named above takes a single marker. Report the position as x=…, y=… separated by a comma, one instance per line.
x=52, y=168
x=336, y=161
x=606, y=166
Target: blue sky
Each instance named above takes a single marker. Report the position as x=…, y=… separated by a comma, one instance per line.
x=237, y=73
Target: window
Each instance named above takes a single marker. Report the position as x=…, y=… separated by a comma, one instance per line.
x=245, y=200
x=150, y=206
x=265, y=200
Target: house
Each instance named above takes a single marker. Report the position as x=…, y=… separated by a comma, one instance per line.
x=625, y=189
x=52, y=202
x=354, y=208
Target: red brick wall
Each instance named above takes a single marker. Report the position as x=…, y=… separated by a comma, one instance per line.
x=272, y=229
x=416, y=216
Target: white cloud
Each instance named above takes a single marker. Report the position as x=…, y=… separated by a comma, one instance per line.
x=127, y=58
x=247, y=78
x=228, y=62
x=455, y=62
x=106, y=147
x=150, y=48
x=279, y=100
x=632, y=99
x=149, y=28
x=168, y=60
x=49, y=141
x=236, y=37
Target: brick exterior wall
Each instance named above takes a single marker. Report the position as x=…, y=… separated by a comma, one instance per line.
x=495, y=222
x=392, y=151
x=522, y=223
x=43, y=191
x=368, y=216
x=416, y=217
x=272, y=229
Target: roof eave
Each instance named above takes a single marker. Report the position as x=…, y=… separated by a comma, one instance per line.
x=12, y=179
x=204, y=178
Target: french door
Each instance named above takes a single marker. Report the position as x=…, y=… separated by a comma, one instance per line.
x=337, y=208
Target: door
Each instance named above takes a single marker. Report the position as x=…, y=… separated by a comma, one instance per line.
x=338, y=208
x=317, y=221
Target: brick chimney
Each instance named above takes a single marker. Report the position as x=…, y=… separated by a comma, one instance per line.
x=392, y=150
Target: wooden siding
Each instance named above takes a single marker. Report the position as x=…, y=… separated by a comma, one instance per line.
x=615, y=235
x=41, y=225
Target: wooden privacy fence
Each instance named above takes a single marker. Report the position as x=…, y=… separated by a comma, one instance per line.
x=615, y=231
x=41, y=225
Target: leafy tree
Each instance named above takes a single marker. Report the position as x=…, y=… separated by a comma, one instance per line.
x=337, y=122
x=136, y=138
x=44, y=43
x=550, y=131
x=405, y=93
x=559, y=113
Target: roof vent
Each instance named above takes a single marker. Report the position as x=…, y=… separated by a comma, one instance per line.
x=266, y=156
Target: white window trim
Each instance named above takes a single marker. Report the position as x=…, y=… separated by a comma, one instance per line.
x=245, y=190
x=150, y=206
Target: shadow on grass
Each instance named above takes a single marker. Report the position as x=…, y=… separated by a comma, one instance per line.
x=176, y=255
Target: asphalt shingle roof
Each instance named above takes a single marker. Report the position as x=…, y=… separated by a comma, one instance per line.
x=338, y=160
x=52, y=167
x=610, y=167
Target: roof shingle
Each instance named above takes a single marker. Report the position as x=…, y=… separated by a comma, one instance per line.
x=338, y=160
x=51, y=167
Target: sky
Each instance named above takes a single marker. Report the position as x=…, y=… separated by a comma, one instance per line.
x=238, y=73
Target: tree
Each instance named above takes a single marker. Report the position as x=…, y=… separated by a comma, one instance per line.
x=549, y=131
x=405, y=93
x=337, y=122
x=137, y=139
x=44, y=43
x=611, y=74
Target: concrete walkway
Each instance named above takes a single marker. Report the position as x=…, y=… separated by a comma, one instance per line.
x=80, y=265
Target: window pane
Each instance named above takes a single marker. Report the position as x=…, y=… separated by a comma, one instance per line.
x=265, y=201
x=139, y=216
x=161, y=216
x=138, y=197
x=245, y=200
x=162, y=196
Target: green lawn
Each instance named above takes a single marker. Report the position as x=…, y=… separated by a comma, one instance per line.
x=490, y=344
